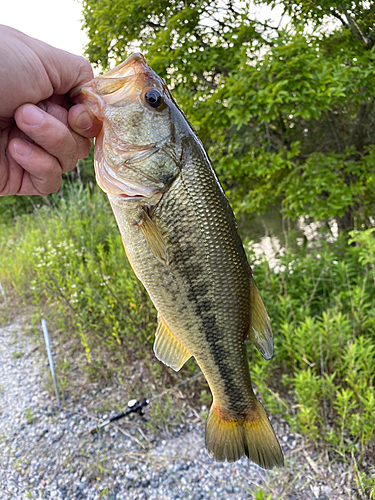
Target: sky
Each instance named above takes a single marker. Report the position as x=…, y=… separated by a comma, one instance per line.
x=56, y=22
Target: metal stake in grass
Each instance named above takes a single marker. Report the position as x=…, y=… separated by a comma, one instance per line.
x=2, y=293
x=49, y=353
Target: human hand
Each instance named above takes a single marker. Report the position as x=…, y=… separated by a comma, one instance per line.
x=42, y=134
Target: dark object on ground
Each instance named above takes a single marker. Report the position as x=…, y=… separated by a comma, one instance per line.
x=134, y=407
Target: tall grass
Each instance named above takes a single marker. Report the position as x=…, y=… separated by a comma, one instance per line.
x=320, y=299
x=71, y=259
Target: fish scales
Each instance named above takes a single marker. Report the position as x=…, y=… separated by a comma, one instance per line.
x=180, y=236
x=194, y=238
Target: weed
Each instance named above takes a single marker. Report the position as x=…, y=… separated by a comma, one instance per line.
x=205, y=397
x=29, y=415
x=259, y=495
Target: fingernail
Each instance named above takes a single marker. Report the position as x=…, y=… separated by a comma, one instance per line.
x=32, y=115
x=84, y=121
x=22, y=148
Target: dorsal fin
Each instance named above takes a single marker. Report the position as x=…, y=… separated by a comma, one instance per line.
x=168, y=348
x=260, y=333
x=154, y=238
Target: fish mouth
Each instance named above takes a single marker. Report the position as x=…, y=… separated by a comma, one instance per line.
x=120, y=87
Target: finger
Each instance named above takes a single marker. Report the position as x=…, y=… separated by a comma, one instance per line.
x=44, y=170
x=51, y=135
x=60, y=112
x=82, y=121
x=10, y=176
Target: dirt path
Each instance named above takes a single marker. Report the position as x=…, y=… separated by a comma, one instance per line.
x=47, y=452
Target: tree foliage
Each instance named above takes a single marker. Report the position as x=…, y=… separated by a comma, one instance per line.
x=285, y=109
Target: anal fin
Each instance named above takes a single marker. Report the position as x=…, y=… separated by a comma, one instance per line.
x=260, y=333
x=168, y=348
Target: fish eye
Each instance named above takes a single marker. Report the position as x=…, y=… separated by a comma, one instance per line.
x=153, y=98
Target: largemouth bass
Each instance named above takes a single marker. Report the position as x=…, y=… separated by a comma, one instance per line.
x=180, y=237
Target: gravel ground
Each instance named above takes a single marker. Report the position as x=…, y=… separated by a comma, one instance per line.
x=47, y=452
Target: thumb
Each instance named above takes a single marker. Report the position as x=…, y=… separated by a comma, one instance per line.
x=65, y=70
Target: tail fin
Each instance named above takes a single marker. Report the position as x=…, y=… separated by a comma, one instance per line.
x=228, y=440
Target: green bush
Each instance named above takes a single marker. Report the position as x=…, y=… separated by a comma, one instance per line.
x=320, y=301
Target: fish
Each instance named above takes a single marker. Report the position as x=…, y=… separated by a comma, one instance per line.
x=181, y=239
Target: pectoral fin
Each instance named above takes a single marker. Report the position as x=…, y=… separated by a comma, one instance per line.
x=260, y=333
x=154, y=238
x=168, y=348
